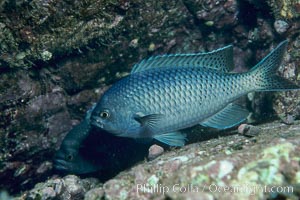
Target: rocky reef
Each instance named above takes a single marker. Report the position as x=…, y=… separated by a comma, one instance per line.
x=285, y=9
x=58, y=57
x=232, y=167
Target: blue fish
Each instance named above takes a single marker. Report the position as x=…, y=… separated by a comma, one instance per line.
x=68, y=158
x=165, y=94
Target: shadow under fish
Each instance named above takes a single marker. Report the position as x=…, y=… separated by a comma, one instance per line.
x=90, y=151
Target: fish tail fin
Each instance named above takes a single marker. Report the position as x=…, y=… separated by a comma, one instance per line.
x=265, y=75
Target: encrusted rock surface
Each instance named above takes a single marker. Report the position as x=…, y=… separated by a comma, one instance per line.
x=228, y=167
x=286, y=9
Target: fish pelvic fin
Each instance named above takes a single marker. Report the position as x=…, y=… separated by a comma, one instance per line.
x=89, y=112
x=150, y=127
x=264, y=73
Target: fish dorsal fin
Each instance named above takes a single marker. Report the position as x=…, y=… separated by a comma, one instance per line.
x=228, y=117
x=219, y=59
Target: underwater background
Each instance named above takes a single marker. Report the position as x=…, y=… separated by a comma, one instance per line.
x=58, y=57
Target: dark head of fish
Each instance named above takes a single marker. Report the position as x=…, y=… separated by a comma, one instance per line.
x=72, y=160
x=100, y=153
x=69, y=158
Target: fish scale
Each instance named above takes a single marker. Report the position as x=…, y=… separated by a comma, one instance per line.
x=165, y=94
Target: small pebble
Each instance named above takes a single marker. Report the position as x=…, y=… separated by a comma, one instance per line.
x=134, y=43
x=94, y=194
x=281, y=26
x=248, y=130
x=289, y=119
x=151, y=47
x=155, y=151
x=44, y=167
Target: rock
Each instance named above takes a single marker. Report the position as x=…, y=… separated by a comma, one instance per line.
x=269, y=160
x=219, y=14
x=281, y=26
x=58, y=57
x=74, y=78
x=192, y=195
x=5, y=196
x=155, y=151
x=69, y=187
x=289, y=119
x=94, y=194
x=45, y=166
x=248, y=130
x=56, y=29
x=264, y=162
x=263, y=32
x=286, y=9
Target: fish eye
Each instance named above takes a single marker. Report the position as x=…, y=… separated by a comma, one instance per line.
x=104, y=114
x=69, y=157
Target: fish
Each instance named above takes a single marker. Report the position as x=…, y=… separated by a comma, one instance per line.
x=68, y=157
x=165, y=94
x=89, y=151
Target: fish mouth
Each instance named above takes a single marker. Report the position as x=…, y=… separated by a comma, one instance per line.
x=97, y=122
x=60, y=165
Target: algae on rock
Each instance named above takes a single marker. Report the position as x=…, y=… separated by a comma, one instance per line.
x=285, y=9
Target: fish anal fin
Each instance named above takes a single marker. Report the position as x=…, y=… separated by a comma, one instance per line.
x=228, y=117
x=172, y=139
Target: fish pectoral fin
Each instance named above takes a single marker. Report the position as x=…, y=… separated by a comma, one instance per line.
x=89, y=112
x=172, y=139
x=228, y=117
x=149, y=122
